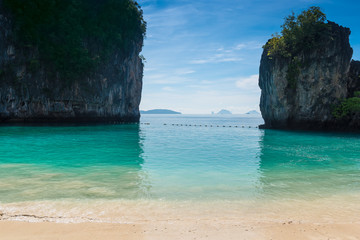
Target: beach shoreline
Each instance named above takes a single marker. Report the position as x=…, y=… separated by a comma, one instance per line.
x=335, y=217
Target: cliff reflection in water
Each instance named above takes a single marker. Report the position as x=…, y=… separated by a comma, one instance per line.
x=303, y=164
x=71, y=162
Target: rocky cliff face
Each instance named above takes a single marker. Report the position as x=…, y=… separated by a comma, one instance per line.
x=354, y=78
x=326, y=76
x=29, y=94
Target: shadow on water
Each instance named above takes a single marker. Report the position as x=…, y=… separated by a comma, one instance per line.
x=39, y=163
x=308, y=165
x=72, y=146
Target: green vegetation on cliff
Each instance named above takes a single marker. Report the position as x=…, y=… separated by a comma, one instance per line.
x=72, y=37
x=347, y=106
x=299, y=34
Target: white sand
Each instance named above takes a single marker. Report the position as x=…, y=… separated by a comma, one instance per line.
x=336, y=217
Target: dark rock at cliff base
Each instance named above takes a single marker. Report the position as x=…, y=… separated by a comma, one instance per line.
x=28, y=94
x=326, y=78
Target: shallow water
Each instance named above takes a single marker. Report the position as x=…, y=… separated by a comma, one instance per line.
x=151, y=162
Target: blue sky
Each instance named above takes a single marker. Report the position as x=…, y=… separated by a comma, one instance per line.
x=204, y=56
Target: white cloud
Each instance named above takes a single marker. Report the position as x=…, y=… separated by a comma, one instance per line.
x=219, y=58
x=248, y=46
x=231, y=59
x=148, y=69
x=174, y=17
x=168, y=89
x=201, y=61
x=165, y=79
x=155, y=76
x=206, y=82
x=248, y=83
x=183, y=71
x=232, y=54
x=240, y=46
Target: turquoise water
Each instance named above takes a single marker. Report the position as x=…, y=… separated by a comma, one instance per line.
x=173, y=162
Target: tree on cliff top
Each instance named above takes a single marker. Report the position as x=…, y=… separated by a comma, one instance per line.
x=299, y=34
x=303, y=32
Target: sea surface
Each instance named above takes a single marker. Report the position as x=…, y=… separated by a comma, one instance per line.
x=88, y=171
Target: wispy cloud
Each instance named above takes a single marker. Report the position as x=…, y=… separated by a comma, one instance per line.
x=231, y=54
x=216, y=60
x=168, y=89
x=248, y=46
x=148, y=69
x=183, y=71
x=249, y=83
x=174, y=16
x=220, y=55
x=165, y=79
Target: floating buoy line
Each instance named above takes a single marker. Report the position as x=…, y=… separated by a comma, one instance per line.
x=205, y=125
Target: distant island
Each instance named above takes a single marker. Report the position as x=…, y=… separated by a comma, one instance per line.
x=253, y=112
x=224, y=112
x=159, y=111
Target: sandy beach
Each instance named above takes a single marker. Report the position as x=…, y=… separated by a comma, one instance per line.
x=329, y=218
x=210, y=229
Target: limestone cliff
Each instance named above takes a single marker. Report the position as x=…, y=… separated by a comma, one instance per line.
x=326, y=76
x=28, y=94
